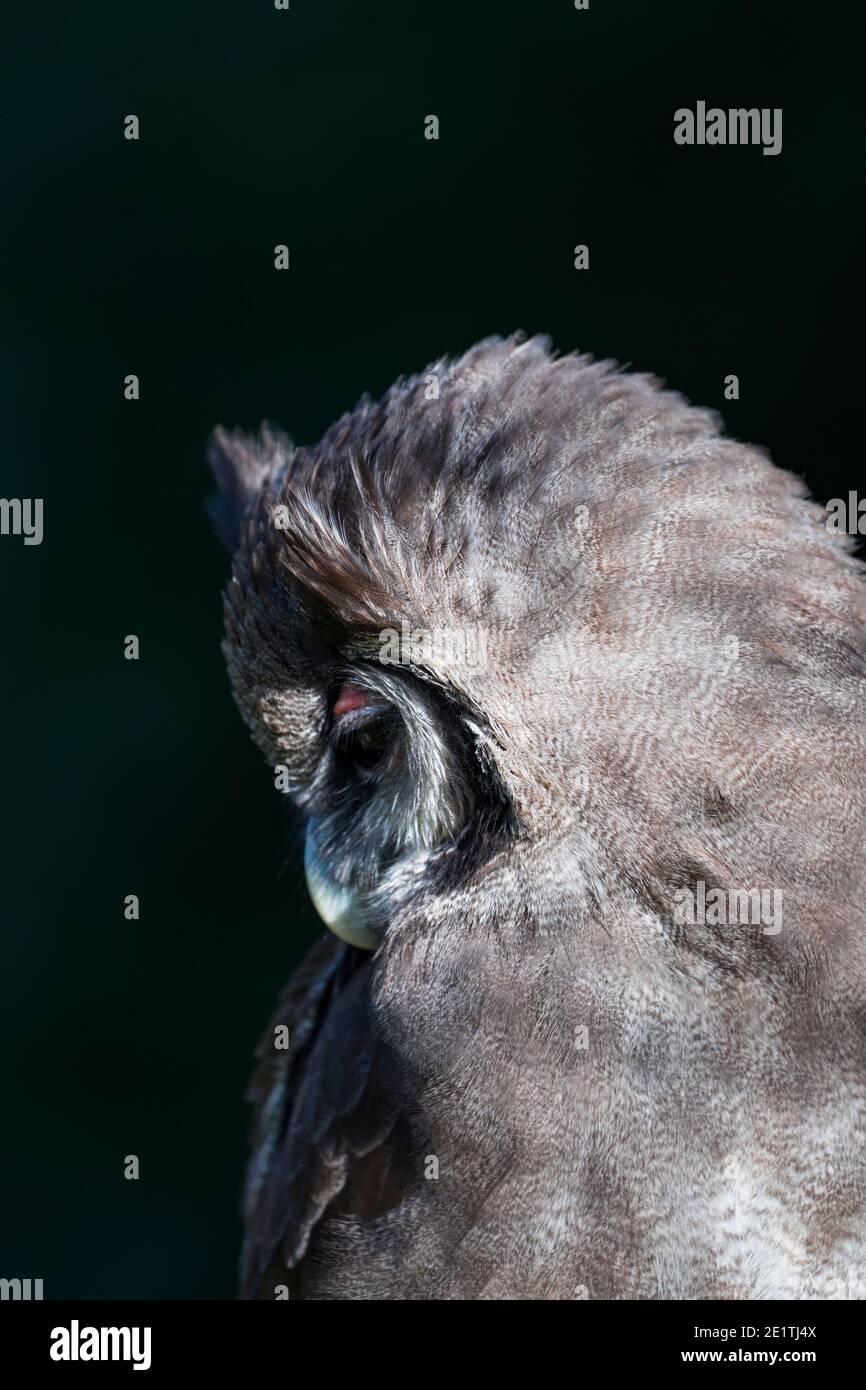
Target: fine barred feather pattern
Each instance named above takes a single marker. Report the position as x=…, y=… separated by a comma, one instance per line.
x=558, y=1075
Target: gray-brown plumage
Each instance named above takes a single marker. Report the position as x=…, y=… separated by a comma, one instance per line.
x=618, y=1103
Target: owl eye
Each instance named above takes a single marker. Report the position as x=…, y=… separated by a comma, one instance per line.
x=365, y=730
x=367, y=746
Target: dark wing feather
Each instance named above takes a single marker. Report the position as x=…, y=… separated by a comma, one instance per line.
x=323, y=1120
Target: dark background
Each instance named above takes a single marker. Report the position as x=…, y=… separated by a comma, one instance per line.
x=260, y=127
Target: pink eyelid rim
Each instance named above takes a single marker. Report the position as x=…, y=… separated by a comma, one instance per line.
x=351, y=697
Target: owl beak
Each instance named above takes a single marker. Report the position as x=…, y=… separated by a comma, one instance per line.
x=337, y=905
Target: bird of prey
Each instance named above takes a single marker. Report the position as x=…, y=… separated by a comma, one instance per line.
x=570, y=693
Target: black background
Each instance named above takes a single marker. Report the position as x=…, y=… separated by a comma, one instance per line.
x=306, y=127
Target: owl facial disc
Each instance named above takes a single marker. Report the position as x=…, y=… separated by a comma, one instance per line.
x=337, y=905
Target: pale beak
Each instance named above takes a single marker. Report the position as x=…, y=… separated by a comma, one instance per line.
x=337, y=905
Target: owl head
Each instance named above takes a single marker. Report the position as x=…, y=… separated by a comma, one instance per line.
x=537, y=649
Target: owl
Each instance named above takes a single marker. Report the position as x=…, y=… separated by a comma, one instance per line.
x=568, y=692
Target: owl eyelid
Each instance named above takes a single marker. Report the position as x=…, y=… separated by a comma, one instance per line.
x=350, y=698
x=364, y=717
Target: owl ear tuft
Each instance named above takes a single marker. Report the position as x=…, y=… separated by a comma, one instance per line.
x=242, y=465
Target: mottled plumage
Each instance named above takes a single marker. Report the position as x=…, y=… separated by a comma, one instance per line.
x=619, y=1105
